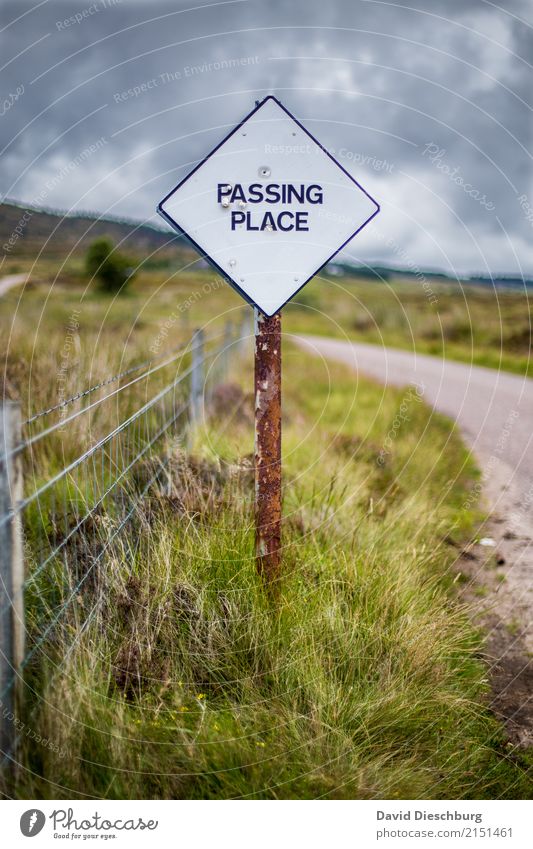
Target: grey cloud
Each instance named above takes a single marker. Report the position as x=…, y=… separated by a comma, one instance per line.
x=373, y=78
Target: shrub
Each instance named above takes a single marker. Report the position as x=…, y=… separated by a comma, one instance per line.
x=112, y=269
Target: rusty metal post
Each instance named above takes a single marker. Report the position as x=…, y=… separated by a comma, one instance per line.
x=268, y=444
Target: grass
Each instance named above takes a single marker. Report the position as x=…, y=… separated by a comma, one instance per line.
x=469, y=323
x=360, y=677
x=458, y=321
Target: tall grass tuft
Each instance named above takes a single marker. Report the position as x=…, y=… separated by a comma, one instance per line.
x=360, y=678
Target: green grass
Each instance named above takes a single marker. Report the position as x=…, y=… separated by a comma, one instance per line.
x=458, y=321
x=472, y=324
x=359, y=677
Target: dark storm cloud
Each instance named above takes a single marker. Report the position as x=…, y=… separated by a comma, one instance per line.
x=413, y=100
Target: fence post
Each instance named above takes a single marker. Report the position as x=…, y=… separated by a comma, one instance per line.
x=197, y=378
x=246, y=331
x=226, y=347
x=11, y=570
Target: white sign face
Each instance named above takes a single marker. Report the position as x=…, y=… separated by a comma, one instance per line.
x=269, y=206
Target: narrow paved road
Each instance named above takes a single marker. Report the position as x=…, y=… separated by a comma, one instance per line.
x=7, y=283
x=494, y=410
x=486, y=403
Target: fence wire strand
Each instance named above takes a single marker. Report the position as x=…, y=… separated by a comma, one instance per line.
x=64, y=531
x=177, y=351
x=133, y=418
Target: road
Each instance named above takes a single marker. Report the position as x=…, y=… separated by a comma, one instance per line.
x=486, y=403
x=7, y=283
x=494, y=410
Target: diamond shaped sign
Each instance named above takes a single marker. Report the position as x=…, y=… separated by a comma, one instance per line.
x=269, y=206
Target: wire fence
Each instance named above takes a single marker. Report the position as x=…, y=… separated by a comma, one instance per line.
x=72, y=479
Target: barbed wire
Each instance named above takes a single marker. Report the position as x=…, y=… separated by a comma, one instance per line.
x=108, y=491
x=81, y=582
x=61, y=424
x=28, y=656
x=131, y=370
x=97, y=484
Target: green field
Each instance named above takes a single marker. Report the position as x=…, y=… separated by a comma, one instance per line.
x=361, y=676
x=471, y=323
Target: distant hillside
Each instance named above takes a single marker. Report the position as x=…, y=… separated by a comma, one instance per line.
x=25, y=231
x=386, y=272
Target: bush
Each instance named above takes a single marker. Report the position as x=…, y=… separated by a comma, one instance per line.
x=112, y=269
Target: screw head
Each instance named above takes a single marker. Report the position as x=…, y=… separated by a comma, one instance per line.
x=233, y=262
x=264, y=171
x=225, y=202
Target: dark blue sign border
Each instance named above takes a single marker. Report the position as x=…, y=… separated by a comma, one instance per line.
x=211, y=261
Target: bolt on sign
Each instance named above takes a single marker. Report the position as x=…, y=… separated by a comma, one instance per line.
x=268, y=208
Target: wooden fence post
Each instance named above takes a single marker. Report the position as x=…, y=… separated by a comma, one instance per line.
x=11, y=570
x=268, y=444
x=226, y=349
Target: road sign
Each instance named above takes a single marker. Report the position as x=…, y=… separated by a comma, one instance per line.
x=269, y=206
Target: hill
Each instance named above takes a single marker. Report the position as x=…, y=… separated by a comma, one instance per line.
x=383, y=273
x=26, y=232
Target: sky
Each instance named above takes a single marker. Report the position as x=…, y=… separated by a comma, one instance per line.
x=428, y=103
